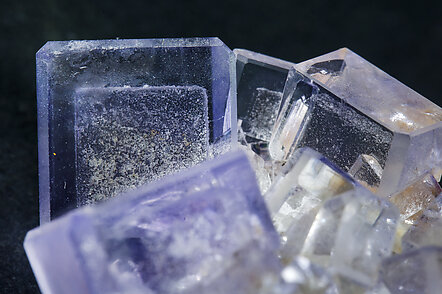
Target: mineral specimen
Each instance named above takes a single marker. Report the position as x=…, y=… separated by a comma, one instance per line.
x=411, y=134
x=115, y=114
x=351, y=234
x=427, y=230
x=418, y=271
x=305, y=181
x=206, y=230
x=261, y=80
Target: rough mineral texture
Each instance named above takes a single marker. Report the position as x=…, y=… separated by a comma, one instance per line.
x=203, y=231
x=114, y=114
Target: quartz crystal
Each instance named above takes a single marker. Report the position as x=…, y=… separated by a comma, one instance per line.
x=410, y=139
x=417, y=271
x=205, y=230
x=261, y=80
x=115, y=114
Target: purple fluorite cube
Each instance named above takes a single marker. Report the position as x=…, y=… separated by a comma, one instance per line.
x=205, y=230
x=115, y=114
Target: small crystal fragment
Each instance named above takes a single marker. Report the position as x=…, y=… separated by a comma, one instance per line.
x=417, y=271
x=352, y=233
x=205, y=230
x=416, y=198
x=294, y=198
x=427, y=230
x=415, y=122
x=114, y=114
x=367, y=171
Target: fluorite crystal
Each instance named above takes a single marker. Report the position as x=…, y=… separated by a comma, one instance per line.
x=418, y=271
x=335, y=189
x=305, y=181
x=206, y=230
x=344, y=107
x=115, y=114
x=323, y=214
x=427, y=230
x=261, y=80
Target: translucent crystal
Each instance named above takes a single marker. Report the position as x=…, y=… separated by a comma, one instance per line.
x=302, y=276
x=114, y=114
x=294, y=198
x=416, y=198
x=205, y=230
x=417, y=271
x=261, y=80
x=367, y=171
x=352, y=233
x=413, y=120
x=412, y=202
x=427, y=230
x=314, y=117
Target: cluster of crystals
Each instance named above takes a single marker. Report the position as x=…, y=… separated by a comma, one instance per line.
x=334, y=189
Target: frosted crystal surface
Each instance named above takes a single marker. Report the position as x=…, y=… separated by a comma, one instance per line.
x=129, y=136
x=351, y=234
x=302, y=276
x=427, y=230
x=314, y=117
x=416, y=198
x=205, y=230
x=261, y=80
x=131, y=94
x=417, y=271
x=414, y=120
x=367, y=171
x=294, y=198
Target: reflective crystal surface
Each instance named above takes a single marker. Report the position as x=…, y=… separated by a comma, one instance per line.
x=427, y=230
x=206, y=230
x=115, y=114
x=314, y=117
x=351, y=234
x=261, y=80
x=414, y=121
x=304, y=182
x=417, y=271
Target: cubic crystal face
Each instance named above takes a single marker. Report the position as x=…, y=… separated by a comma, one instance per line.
x=418, y=271
x=314, y=117
x=203, y=231
x=306, y=180
x=261, y=81
x=413, y=120
x=116, y=114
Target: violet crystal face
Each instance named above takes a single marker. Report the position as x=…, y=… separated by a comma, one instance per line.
x=115, y=114
x=205, y=230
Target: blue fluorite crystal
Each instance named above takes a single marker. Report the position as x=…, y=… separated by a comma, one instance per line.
x=205, y=230
x=115, y=114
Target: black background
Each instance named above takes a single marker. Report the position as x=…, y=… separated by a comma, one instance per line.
x=403, y=38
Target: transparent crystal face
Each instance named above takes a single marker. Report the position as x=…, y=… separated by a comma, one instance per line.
x=313, y=117
x=104, y=105
x=205, y=230
x=372, y=91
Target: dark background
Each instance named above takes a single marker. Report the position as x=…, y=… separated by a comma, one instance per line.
x=403, y=38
